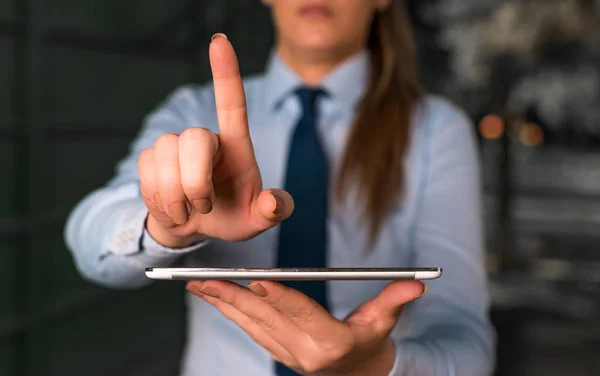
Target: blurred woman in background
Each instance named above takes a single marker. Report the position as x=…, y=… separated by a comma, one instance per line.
x=363, y=170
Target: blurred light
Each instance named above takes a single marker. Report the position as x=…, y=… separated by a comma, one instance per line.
x=531, y=134
x=491, y=127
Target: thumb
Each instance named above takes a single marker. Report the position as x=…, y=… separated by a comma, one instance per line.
x=271, y=207
x=383, y=311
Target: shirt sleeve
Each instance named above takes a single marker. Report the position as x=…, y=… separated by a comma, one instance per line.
x=105, y=232
x=449, y=328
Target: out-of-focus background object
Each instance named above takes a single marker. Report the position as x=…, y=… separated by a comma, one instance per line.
x=78, y=77
x=529, y=73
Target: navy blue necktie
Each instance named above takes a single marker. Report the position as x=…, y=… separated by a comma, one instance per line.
x=303, y=236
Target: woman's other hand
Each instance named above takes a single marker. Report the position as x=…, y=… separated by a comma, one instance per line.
x=303, y=335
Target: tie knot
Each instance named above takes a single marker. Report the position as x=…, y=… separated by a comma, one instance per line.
x=308, y=97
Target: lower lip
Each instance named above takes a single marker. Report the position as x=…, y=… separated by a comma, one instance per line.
x=315, y=12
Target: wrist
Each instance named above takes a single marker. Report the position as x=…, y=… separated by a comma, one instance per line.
x=167, y=238
x=381, y=362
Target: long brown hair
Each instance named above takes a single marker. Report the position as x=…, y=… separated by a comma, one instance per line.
x=380, y=134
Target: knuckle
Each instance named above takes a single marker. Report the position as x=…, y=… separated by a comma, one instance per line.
x=267, y=324
x=148, y=188
x=302, y=315
x=232, y=106
x=146, y=156
x=148, y=199
x=166, y=140
x=245, y=321
x=275, y=297
x=232, y=300
x=199, y=135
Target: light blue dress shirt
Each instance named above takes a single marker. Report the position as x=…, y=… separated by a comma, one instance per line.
x=438, y=223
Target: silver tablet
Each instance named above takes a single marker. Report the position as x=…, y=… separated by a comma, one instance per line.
x=290, y=274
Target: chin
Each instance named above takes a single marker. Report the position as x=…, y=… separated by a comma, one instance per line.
x=317, y=42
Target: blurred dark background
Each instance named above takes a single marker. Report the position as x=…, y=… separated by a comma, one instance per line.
x=76, y=78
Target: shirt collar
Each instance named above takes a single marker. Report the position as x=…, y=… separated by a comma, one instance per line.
x=346, y=83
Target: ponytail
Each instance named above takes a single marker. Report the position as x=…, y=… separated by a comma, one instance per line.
x=374, y=155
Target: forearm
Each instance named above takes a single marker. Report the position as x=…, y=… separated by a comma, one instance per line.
x=106, y=236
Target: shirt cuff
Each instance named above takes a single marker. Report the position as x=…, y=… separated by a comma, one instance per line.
x=134, y=241
x=412, y=359
x=152, y=247
x=397, y=360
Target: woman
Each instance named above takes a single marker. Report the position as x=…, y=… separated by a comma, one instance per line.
x=366, y=172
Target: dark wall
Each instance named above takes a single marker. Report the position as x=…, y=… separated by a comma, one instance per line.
x=76, y=79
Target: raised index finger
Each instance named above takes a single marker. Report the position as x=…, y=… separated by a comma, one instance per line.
x=229, y=90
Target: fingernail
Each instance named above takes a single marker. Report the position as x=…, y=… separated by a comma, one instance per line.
x=210, y=291
x=179, y=213
x=278, y=204
x=218, y=35
x=257, y=289
x=203, y=205
x=423, y=293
